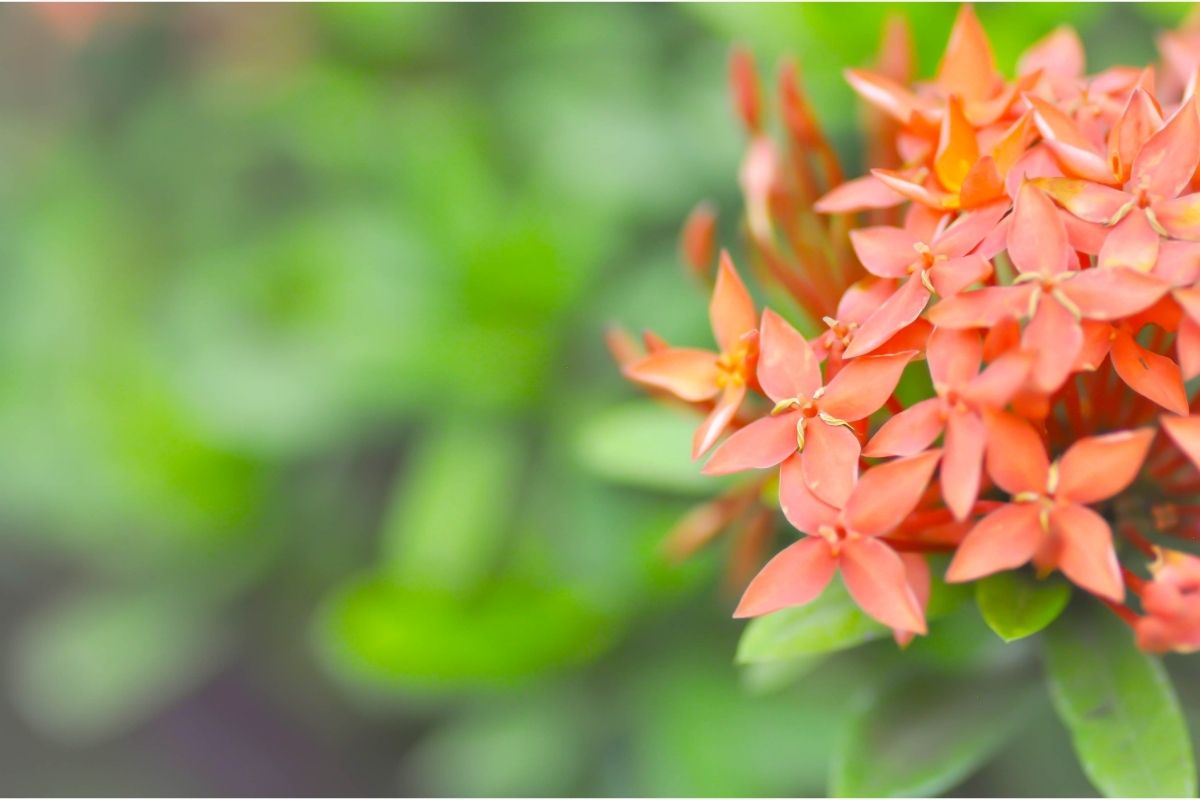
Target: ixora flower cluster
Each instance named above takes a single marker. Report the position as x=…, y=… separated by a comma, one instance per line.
x=1032, y=246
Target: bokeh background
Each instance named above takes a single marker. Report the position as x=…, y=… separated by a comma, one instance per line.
x=315, y=475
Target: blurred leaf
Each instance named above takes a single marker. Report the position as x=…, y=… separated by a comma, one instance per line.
x=382, y=633
x=925, y=734
x=1120, y=708
x=489, y=749
x=94, y=666
x=645, y=444
x=1015, y=605
x=765, y=677
x=452, y=505
x=697, y=733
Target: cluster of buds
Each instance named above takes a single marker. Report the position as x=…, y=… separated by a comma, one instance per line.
x=1029, y=251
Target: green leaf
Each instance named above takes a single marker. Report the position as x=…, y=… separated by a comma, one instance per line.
x=95, y=665
x=1121, y=710
x=1015, y=604
x=379, y=633
x=644, y=444
x=452, y=505
x=830, y=623
x=924, y=735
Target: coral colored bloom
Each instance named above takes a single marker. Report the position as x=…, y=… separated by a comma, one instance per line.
x=845, y=536
x=1171, y=602
x=1048, y=520
x=809, y=416
x=700, y=375
x=945, y=264
x=1025, y=249
x=1136, y=190
x=964, y=396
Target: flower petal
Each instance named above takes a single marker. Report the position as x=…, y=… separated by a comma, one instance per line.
x=896, y=313
x=1004, y=539
x=797, y=575
x=997, y=384
x=906, y=187
x=863, y=386
x=1093, y=202
x=953, y=275
x=688, y=374
x=1140, y=120
x=954, y=356
x=830, y=461
x=1187, y=347
x=860, y=194
x=1185, y=432
x=968, y=68
x=1109, y=294
x=761, y=444
x=957, y=149
x=1099, y=467
x=1178, y=262
x=916, y=574
x=1055, y=338
x=876, y=579
x=1151, y=375
x=718, y=420
x=969, y=230
x=787, y=366
x=1132, y=243
x=1086, y=554
x=981, y=308
x=887, y=493
x=803, y=509
x=1016, y=457
x=1074, y=152
x=731, y=309
x=962, y=461
x=909, y=432
x=1037, y=240
x=885, y=251
x=1169, y=159
x=1180, y=217
x=1058, y=54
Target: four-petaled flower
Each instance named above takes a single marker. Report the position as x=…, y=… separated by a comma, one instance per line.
x=1048, y=520
x=701, y=375
x=809, y=416
x=846, y=534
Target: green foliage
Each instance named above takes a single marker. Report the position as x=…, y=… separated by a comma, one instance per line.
x=94, y=664
x=1015, y=605
x=452, y=506
x=830, y=623
x=644, y=444
x=386, y=634
x=1122, y=712
x=924, y=734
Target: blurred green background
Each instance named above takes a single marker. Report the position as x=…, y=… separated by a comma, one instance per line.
x=315, y=475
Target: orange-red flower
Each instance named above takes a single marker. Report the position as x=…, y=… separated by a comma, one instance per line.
x=1048, y=519
x=701, y=375
x=845, y=535
x=1032, y=247
x=809, y=416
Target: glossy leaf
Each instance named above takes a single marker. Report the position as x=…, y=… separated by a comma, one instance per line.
x=924, y=735
x=1121, y=709
x=1016, y=605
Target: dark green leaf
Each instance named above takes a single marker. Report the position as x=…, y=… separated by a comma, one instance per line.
x=1121, y=710
x=926, y=734
x=1016, y=605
